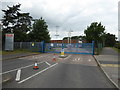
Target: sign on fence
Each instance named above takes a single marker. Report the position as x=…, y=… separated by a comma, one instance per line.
x=9, y=42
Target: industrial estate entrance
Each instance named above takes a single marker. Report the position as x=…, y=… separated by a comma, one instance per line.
x=73, y=48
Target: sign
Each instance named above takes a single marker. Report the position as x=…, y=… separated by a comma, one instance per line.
x=33, y=44
x=9, y=42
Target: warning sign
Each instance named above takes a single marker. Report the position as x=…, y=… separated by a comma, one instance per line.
x=33, y=44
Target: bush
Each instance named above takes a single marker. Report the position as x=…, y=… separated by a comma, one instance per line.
x=117, y=45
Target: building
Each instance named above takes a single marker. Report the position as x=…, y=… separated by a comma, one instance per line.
x=63, y=41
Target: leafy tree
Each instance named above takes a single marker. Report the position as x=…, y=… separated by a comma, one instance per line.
x=40, y=31
x=94, y=32
x=16, y=22
x=110, y=40
x=75, y=37
x=10, y=18
x=65, y=38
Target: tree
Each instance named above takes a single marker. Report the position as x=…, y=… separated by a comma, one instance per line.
x=94, y=32
x=65, y=38
x=110, y=40
x=16, y=22
x=40, y=31
x=10, y=18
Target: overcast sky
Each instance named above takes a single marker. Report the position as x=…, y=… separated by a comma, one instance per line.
x=73, y=15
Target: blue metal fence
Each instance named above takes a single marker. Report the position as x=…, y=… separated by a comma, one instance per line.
x=74, y=48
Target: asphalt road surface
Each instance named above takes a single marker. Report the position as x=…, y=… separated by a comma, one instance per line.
x=74, y=71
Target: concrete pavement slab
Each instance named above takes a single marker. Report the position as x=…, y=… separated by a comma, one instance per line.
x=109, y=62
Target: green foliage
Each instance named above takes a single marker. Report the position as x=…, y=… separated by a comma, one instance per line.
x=10, y=18
x=16, y=22
x=40, y=31
x=110, y=40
x=94, y=32
x=65, y=38
x=117, y=45
x=75, y=37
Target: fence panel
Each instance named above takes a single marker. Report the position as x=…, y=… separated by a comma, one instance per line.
x=74, y=48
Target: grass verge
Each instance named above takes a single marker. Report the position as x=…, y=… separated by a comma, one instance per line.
x=16, y=51
x=116, y=49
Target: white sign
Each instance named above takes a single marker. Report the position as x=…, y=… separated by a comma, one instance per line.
x=9, y=42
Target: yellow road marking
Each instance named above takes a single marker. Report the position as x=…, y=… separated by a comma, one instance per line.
x=110, y=65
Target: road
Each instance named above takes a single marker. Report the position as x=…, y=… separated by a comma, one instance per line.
x=75, y=71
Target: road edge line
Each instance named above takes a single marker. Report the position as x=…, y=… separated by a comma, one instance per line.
x=106, y=73
x=37, y=73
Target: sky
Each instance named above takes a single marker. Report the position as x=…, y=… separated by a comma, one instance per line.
x=63, y=16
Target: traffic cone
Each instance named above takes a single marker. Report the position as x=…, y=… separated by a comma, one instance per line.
x=35, y=66
x=54, y=58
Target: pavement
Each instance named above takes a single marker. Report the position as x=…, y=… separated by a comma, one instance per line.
x=110, y=63
x=74, y=71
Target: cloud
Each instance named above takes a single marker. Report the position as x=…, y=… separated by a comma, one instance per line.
x=72, y=14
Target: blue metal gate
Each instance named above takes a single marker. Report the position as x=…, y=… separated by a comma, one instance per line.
x=74, y=48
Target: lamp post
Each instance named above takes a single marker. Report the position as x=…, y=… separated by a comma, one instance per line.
x=69, y=36
x=57, y=32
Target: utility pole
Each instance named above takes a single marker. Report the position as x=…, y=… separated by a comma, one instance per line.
x=56, y=32
x=69, y=36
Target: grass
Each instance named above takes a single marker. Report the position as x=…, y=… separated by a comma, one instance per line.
x=97, y=51
x=0, y=52
x=116, y=49
x=17, y=51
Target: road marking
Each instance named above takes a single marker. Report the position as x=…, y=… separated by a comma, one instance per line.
x=89, y=60
x=75, y=59
x=18, y=75
x=48, y=63
x=110, y=65
x=78, y=58
x=37, y=73
x=68, y=57
x=19, y=68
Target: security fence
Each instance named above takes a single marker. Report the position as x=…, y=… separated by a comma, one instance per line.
x=73, y=48
x=32, y=46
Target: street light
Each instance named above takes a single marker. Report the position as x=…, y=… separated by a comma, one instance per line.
x=69, y=36
x=57, y=32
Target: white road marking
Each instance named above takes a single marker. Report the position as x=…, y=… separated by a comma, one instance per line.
x=48, y=63
x=18, y=75
x=78, y=58
x=18, y=68
x=89, y=60
x=68, y=57
x=75, y=59
x=37, y=73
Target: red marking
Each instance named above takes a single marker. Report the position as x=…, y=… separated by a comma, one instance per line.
x=9, y=35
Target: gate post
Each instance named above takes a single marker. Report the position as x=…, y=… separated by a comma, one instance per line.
x=92, y=47
x=43, y=46
x=62, y=46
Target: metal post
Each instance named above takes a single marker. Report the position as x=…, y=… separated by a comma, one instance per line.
x=20, y=45
x=43, y=46
x=92, y=47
